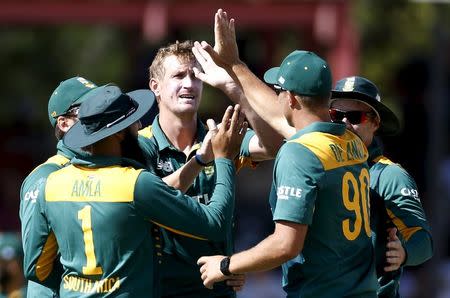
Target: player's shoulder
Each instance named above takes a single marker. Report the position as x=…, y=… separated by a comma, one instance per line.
x=146, y=132
x=43, y=170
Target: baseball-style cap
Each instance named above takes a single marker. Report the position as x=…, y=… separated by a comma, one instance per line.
x=303, y=73
x=361, y=89
x=106, y=111
x=69, y=93
x=10, y=246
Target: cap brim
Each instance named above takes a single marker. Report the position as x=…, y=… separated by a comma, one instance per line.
x=389, y=123
x=76, y=137
x=270, y=76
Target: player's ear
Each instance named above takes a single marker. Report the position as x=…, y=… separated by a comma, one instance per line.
x=154, y=85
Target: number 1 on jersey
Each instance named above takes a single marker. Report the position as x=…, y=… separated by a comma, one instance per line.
x=86, y=225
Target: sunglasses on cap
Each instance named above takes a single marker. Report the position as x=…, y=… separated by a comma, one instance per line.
x=354, y=117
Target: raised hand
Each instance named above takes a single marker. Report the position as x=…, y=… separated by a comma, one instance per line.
x=225, y=38
x=395, y=253
x=227, y=141
x=213, y=74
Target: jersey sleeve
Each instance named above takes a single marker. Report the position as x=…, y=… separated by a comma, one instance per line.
x=41, y=248
x=404, y=208
x=244, y=159
x=296, y=175
x=29, y=192
x=150, y=151
x=181, y=214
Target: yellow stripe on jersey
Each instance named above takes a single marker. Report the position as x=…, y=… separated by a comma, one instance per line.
x=244, y=161
x=406, y=231
x=44, y=264
x=109, y=184
x=178, y=232
x=146, y=132
x=335, y=151
x=55, y=159
x=384, y=160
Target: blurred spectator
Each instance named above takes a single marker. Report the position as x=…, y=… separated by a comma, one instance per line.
x=12, y=281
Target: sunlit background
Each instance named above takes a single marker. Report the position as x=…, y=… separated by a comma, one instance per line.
x=402, y=46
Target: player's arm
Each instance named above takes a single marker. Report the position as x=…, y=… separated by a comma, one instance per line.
x=267, y=140
x=40, y=248
x=182, y=178
x=404, y=208
x=179, y=213
x=284, y=244
x=257, y=96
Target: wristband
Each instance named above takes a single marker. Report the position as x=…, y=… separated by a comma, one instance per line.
x=199, y=160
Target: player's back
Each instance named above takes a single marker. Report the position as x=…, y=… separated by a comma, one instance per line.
x=337, y=258
x=104, y=244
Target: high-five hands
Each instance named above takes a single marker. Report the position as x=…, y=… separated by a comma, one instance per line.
x=227, y=141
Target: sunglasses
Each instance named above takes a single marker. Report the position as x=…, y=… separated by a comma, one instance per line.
x=277, y=89
x=354, y=117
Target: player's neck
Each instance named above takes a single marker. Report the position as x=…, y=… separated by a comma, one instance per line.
x=303, y=118
x=181, y=131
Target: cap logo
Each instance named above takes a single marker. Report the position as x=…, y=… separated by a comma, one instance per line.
x=349, y=84
x=53, y=114
x=281, y=80
x=85, y=82
x=378, y=98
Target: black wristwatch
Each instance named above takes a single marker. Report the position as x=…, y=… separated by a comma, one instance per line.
x=225, y=266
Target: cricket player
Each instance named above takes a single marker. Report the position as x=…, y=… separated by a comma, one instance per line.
x=100, y=209
x=319, y=197
x=63, y=108
x=394, y=197
x=172, y=141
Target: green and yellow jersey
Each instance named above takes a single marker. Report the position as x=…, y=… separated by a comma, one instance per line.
x=395, y=202
x=28, y=195
x=321, y=179
x=99, y=211
x=180, y=276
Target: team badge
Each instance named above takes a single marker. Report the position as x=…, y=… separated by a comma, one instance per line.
x=349, y=84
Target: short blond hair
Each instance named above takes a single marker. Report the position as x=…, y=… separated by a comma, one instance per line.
x=182, y=50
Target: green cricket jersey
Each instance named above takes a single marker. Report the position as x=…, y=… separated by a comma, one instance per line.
x=395, y=202
x=28, y=195
x=100, y=211
x=180, y=276
x=321, y=179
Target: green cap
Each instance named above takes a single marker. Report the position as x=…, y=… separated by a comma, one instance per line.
x=10, y=246
x=303, y=73
x=69, y=93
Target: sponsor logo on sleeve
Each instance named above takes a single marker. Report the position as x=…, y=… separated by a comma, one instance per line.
x=410, y=192
x=284, y=192
x=31, y=195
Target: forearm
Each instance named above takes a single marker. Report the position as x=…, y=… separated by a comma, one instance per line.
x=182, y=214
x=261, y=99
x=268, y=254
x=419, y=248
x=183, y=178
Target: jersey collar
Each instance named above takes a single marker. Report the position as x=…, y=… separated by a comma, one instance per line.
x=163, y=141
x=325, y=127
